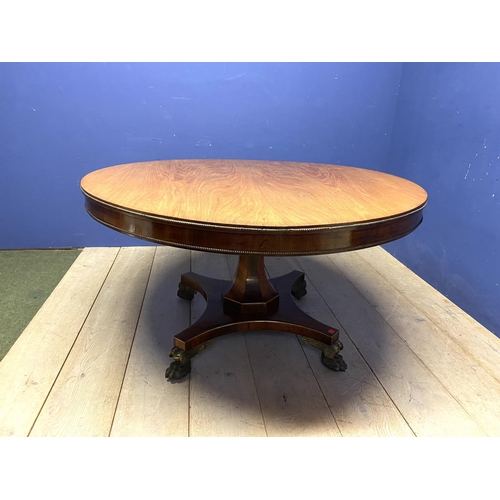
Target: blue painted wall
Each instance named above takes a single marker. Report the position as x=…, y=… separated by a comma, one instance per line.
x=61, y=121
x=446, y=137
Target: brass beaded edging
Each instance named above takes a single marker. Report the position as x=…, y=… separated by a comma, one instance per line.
x=258, y=229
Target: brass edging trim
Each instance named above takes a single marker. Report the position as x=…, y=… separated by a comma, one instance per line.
x=257, y=229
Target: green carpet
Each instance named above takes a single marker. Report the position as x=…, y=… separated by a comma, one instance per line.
x=27, y=278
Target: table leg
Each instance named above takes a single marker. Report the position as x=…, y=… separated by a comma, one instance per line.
x=250, y=302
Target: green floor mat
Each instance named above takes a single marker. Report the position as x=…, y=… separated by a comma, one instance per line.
x=27, y=278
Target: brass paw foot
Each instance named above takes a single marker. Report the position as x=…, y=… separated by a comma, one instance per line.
x=185, y=292
x=177, y=370
x=299, y=288
x=331, y=358
x=181, y=365
x=337, y=363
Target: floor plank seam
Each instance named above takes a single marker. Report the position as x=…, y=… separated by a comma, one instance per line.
x=73, y=344
x=361, y=355
x=414, y=353
x=255, y=384
x=131, y=345
x=319, y=385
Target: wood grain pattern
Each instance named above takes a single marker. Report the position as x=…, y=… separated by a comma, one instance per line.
x=259, y=207
x=255, y=193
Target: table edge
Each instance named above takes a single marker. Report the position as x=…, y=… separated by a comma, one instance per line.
x=267, y=240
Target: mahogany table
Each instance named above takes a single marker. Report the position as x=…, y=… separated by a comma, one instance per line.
x=253, y=209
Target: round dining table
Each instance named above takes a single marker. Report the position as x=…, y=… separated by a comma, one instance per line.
x=253, y=209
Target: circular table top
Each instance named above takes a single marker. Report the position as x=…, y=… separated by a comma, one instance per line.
x=249, y=206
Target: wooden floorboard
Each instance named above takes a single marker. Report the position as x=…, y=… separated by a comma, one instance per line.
x=83, y=399
x=149, y=404
x=92, y=362
x=32, y=365
x=453, y=321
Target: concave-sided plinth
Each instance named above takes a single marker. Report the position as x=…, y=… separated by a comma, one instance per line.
x=250, y=302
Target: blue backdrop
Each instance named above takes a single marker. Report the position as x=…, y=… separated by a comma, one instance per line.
x=436, y=124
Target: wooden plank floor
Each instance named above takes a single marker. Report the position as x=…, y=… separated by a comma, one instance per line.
x=92, y=361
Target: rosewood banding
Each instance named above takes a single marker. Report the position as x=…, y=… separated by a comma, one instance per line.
x=253, y=240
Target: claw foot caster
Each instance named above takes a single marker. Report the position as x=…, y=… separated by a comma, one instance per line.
x=331, y=358
x=299, y=288
x=185, y=291
x=180, y=367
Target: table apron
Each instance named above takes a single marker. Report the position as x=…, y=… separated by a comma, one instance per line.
x=265, y=241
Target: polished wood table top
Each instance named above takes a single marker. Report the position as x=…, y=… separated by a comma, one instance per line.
x=256, y=207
